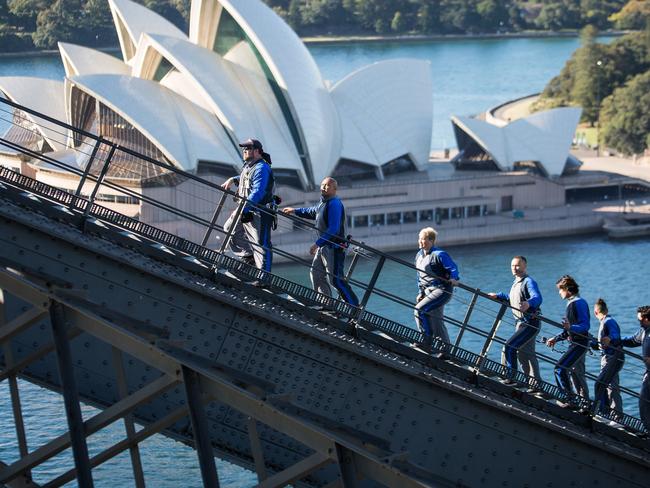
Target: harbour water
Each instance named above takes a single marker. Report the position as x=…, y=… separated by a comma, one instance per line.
x=469, y=76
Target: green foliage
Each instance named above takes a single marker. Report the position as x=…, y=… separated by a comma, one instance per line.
x=594, y=71
x=398, y=24
x=625, y=117
x=634, y=15
x=59, y=22
x=49, y=21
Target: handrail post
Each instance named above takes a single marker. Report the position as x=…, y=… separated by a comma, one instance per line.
x=470, y=309
x=215, y=216
x=491, y=335
x=373, y=282
x=100, y=179
x=89, y=165
x=353, y=263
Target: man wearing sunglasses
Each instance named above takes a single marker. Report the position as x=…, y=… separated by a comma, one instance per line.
x=251, y=238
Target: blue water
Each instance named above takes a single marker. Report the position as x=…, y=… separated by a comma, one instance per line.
x=469, y=76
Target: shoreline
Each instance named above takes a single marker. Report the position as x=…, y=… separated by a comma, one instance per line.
x=373, y=39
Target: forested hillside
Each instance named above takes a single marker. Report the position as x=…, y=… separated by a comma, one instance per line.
x=611, y=82
x=29, y=24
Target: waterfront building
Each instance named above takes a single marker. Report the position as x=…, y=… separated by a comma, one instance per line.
x=509, y=138
x=240, y=72
x=187, y=99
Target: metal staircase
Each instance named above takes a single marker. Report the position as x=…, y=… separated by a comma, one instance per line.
x=164, y=332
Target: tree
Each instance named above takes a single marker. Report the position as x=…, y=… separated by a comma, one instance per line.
x=588, y=78
x=564, y=14
x=294, y=18
x=375, y=14
x=25, y=12
x=57, y=23
x=625, y=117
x=494, y=14
x=460, y=16
x=98, y=23
x=428, y=16
x=169, y=11
x=398, y=24
x=633, y=15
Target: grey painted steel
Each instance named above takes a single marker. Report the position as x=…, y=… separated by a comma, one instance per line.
x=353, y=384
x=143, y=434
x=22, y=482
x=129, y=427
x=70, y=396
x=98, y=183
x=491, y=335
x=247, y=345
x=468, y=314
x=16, y=407
x=213, y=221
x=89, y=165
x=296, y=472
x=256, y=449
x=200, y=429
x=373, y=282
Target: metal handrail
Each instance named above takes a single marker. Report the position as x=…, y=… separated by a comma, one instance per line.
x=370, y=288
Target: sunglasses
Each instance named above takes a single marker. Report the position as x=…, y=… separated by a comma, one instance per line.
x=247, y=148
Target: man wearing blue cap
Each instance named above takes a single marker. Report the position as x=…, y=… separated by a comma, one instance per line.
x=251, y=238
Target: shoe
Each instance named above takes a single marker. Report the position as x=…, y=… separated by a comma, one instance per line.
x=420, y=346
x=260, y=284
x=567, y=405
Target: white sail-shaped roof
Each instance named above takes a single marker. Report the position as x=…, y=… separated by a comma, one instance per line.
x=132, y=20
x=386, y=112
x=44, y=96
x=309, y=106
x=543, y=137
x=184, y=132
x=80, y=60
x=242, y=73
x=238, y=96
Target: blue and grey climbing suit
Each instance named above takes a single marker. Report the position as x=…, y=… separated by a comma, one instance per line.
x=569, y=370
x=607, y=394
x=252, y=240
x=435, y=268
x=642, y=338
x=521, y=345
x=329, y=260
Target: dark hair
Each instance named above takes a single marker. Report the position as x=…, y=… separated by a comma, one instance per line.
x=569, y=284
x=601, y=306
x=644, y=311
x=521, y=258
x=267, y=157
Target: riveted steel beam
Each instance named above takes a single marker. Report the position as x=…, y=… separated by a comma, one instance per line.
x=256, y=449
x=122, y=446
x=14, y=367
x=129, y=427
x=296, y=471
x=99, y=421
x=70, y=396
x=24, y=481
x=20, y=323
x=200, y=429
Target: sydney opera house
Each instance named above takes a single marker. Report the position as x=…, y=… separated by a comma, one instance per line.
x=241, y=72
